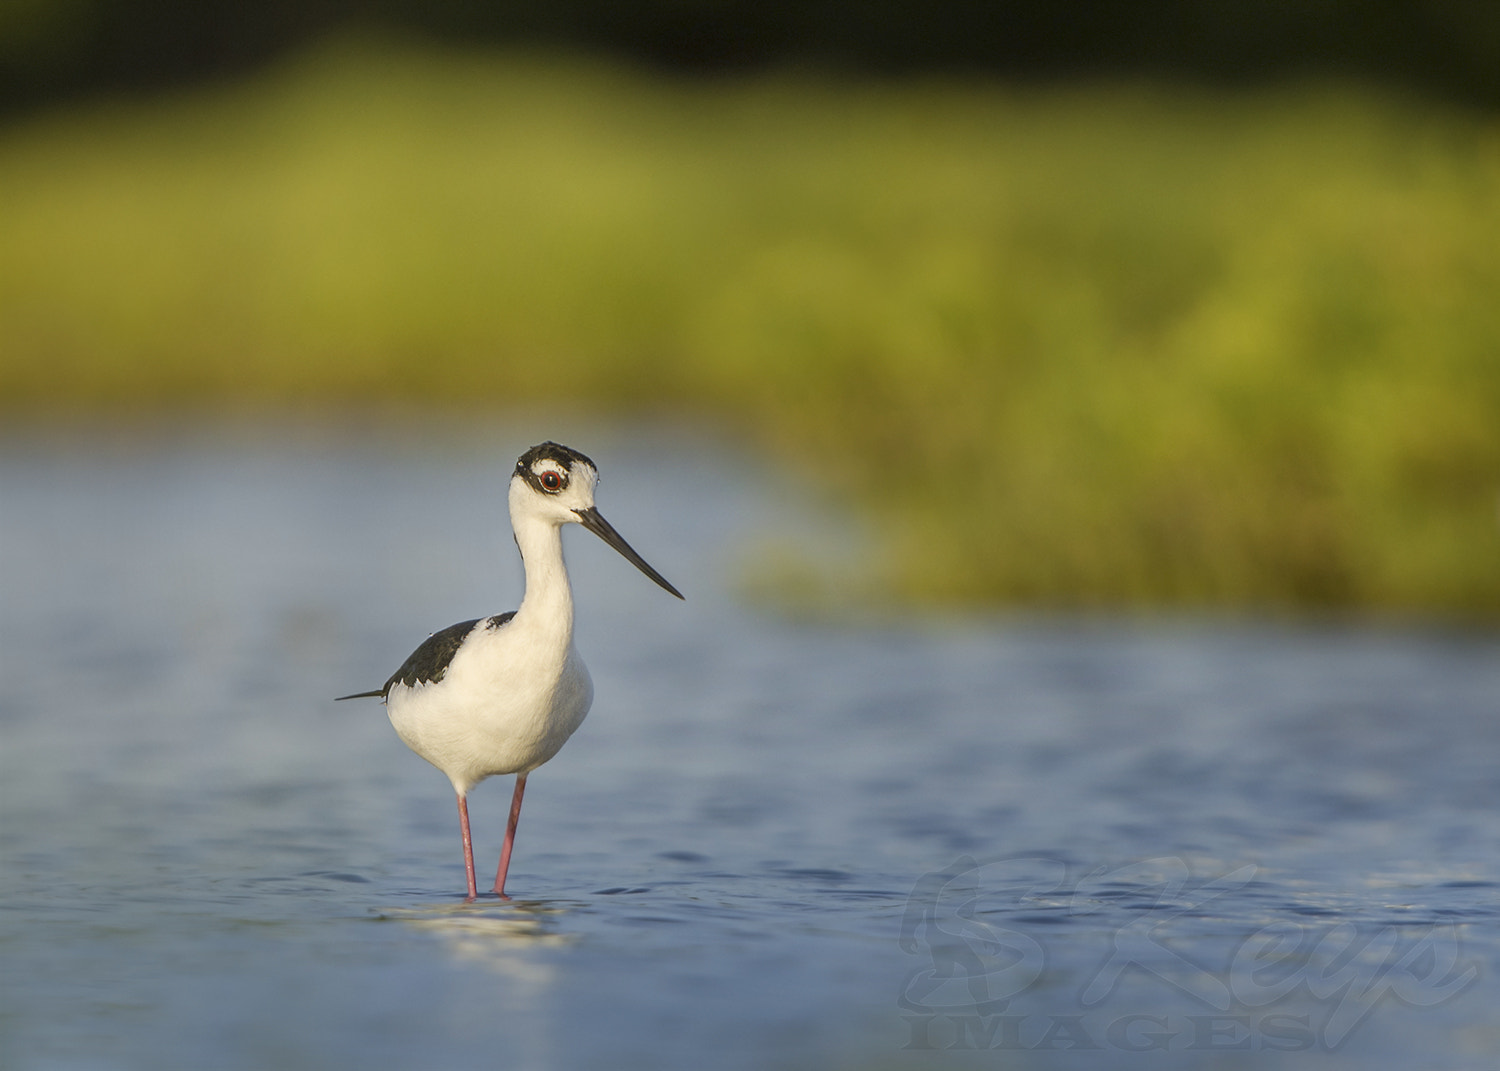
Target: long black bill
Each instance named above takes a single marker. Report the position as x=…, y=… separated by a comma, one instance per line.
x=594, y=521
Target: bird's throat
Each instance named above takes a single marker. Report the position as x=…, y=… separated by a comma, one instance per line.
x=548, y=603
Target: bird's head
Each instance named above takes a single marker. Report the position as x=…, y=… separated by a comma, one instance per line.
x=555, y=484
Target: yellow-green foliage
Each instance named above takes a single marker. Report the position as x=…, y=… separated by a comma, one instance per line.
x=1097, y=346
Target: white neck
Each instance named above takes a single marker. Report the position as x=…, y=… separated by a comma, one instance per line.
x=548, y=602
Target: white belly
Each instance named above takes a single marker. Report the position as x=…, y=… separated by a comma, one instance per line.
x=506, y=704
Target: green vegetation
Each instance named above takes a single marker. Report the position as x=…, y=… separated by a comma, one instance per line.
x=1101, y=346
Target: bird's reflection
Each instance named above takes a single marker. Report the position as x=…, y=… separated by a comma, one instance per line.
x=494, y=935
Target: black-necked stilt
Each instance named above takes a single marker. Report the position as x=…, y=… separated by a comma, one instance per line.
x=502, y=694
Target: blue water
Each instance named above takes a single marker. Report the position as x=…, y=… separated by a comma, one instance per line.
x=1012, y=842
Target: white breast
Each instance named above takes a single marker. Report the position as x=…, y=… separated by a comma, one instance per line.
x=507, y=703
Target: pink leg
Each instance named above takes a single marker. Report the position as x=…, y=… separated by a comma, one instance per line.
x=510, y=836
x=463, y=822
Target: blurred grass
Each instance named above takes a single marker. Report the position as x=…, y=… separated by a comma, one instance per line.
x=1101, y=346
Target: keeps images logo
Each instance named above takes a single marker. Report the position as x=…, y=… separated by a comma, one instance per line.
x=1016, y=954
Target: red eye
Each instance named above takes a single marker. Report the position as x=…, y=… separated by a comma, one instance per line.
x=551, y=480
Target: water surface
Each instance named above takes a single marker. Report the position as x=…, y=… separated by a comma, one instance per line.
x=918, y=844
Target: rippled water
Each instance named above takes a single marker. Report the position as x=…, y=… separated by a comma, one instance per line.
x=1019, y=843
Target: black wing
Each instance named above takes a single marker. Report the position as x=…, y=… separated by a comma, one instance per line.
x=429, y=662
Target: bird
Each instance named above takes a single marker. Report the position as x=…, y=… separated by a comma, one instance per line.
x=501, y=695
